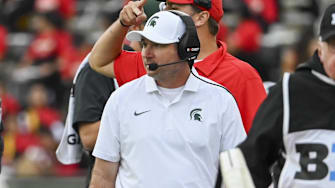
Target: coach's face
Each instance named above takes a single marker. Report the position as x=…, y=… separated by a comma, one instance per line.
x=159, y=54
x=326, y=52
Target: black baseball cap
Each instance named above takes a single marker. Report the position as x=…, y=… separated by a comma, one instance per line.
x=327, y=27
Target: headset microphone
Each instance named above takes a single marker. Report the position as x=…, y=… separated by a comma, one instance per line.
x=155, y=66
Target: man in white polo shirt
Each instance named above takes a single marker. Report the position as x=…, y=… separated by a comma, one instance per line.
x=167, y=128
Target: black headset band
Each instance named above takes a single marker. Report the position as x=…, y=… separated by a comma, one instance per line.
x=189, y=44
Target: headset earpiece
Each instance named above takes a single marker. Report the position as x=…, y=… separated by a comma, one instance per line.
x=189, y=44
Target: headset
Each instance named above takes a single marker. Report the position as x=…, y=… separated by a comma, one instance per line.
x=188, y=46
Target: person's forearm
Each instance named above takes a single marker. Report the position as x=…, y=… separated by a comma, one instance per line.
x=104, y=174
x=107, y=49
x=109, y=45
x=99, y=181
x=88, y=133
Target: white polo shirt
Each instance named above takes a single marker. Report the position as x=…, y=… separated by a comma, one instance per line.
x=163, y=144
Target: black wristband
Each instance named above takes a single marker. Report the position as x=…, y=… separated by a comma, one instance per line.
x=124, y=25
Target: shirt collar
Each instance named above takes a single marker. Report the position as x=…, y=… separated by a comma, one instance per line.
x=150, y=84
x=313, y=63
x=324, y=78
x=192, y=83
x=209, y=64
x=316, y=67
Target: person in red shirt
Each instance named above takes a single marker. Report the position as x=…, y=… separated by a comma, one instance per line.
x=213, y=62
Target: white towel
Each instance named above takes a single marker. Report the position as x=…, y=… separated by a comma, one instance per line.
x=70, y=149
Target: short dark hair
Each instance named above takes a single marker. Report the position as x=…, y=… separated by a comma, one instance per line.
x=213, y=26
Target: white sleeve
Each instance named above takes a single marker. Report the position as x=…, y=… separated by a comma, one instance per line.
x=233, y=131
x=107, y=146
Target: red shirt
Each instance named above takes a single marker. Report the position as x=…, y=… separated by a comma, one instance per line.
x=44, y=45
x=48, y=116
x=47, y=46
x=240, y=78
x=248, y=36
x=10, y=105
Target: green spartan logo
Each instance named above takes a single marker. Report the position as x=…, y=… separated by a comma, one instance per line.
x=195, y=114
x=152, y=22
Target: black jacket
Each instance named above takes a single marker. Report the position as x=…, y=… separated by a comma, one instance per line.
x=312, y=107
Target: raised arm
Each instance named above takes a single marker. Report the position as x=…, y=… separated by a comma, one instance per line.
x=109, y=45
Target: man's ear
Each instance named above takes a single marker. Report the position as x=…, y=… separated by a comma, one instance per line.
x=201, y=18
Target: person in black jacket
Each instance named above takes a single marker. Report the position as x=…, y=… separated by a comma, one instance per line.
x=295, y=125
x=92, y=91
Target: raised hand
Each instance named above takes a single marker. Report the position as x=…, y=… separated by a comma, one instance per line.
x=133, y=13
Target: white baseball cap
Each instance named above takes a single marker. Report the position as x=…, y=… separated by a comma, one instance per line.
x=164, y=27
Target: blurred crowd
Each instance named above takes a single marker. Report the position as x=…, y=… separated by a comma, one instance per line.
x=42, y=42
